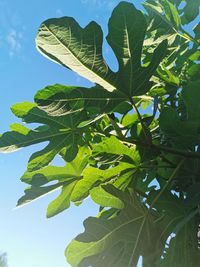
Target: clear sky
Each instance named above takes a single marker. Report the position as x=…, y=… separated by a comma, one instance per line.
x=29, y=239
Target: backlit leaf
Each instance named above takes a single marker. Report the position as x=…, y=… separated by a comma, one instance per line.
x=64, y=41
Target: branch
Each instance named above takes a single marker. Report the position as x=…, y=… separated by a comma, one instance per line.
x=129, y=141
x=186, y=154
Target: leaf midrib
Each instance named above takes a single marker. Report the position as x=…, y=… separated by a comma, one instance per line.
x=41, y=139
x=85, y=98
x=112, y=232
x=78, y=60
x=129, y=53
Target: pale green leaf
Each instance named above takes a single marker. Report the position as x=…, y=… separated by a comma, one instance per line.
x=58, y=131
x=93, y=177
x=105, y=199
x=61, y=100
x=62, y=202
x=114, y=146
x=64, y=41
x=64, y=178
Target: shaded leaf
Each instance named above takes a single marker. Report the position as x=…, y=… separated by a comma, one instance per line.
x=34, y=192
x=115, y=242
x=183, y=250
x=182, y=130
x=127, y=28
x=171, y=13
x=191, y=10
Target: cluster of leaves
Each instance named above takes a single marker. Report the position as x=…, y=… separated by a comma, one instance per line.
x=131, y=142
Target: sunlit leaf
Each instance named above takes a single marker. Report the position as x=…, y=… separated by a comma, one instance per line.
x=64, y=41
x=64, y=178
x=59, y=131
x=105, y=199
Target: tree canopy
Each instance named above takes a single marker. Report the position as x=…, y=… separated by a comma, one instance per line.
x=131, y=142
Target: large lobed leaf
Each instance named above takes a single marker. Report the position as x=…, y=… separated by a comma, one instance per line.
x=127, y=29
x=179, y=230
x=135, y=231
x=183, y=250
x=60, y=132
x=64, y=178
x=61, y=100
x=64, y=41
x=116, y=242
x=92, y=130
x=186, y=131
x=76, y=179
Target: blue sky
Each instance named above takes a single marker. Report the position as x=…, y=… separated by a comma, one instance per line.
x=25, y=234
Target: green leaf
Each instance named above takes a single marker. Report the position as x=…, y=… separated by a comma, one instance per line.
x=176, y=218
x=127, y=28
x=193, y=71
x=59, y=100
x=115, y=242
x=191, y=97
x=168, y=76
x=62, y=202
x=65, y=42
x=141, y=167
x=196, y=30
x=49, y=174
x=94, y=177
x=183, y=250
x=184, y=131
x=171, y=13
x=105, y=199
x=65, y=177
x=59, y=131
x=114, y=146
x=191, y=10
x=34, y=192
x=181, y=133
x=158, y=16
x=193, y=199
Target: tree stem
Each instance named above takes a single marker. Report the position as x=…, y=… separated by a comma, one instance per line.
x=141, y=121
